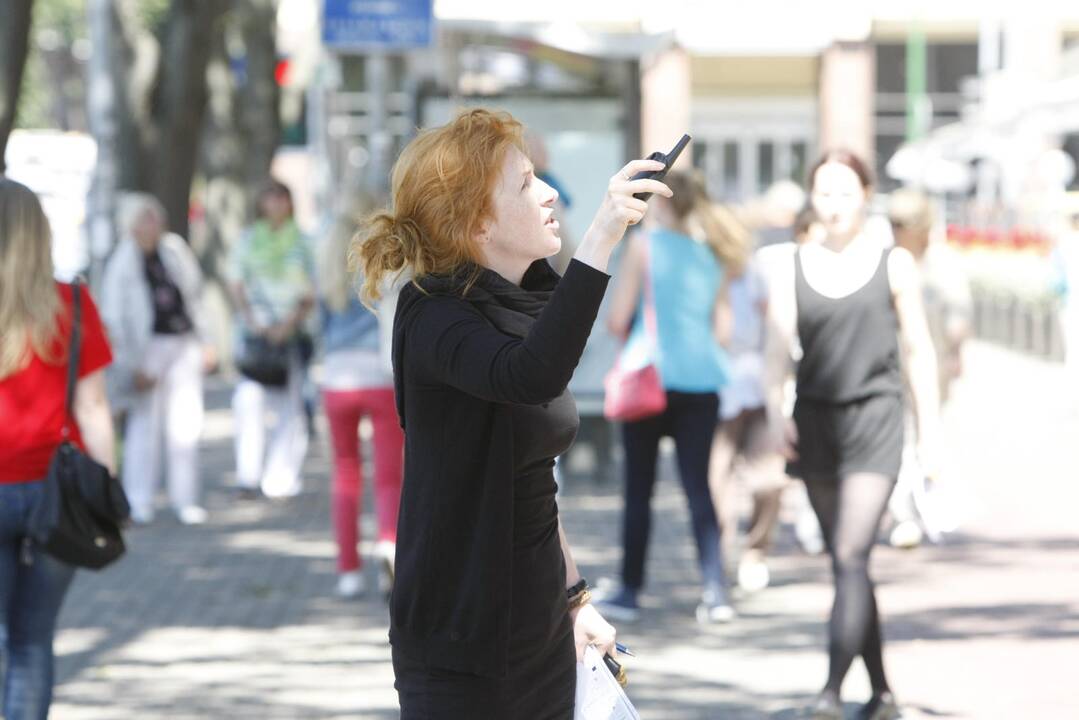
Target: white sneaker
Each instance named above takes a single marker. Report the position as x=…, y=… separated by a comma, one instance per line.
x=350, y=585
x=280, y=487
x=714, y=612
x=753, y=575
x=808, y=532
x=192, y=515
x=906, y=535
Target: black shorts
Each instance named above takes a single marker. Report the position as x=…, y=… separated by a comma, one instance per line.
x=837, y=440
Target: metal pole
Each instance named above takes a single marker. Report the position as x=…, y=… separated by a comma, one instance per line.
x=377, y=71
x=101, y=101
x=918, y=109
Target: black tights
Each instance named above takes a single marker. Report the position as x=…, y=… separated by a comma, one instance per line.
x=849, y=510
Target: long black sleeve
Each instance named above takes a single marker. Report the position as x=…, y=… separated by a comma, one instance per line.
x=451, y=342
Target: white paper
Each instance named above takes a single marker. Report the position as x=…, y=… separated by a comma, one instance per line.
x=599, y=696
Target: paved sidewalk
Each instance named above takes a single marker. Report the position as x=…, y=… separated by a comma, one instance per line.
x=236, y=619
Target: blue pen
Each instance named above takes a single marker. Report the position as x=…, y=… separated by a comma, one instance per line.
x=623, y=649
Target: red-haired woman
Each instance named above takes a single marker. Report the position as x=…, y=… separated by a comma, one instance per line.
x=847, y=299
x=487, y=604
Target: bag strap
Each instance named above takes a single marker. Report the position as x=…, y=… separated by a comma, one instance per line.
x=73, y=355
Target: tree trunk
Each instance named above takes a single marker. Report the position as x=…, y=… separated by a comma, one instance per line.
x=240, y=137
x=242, y=126
x=14, y=45
x=163, y=91
x=180, y=102
x=258, y=98
x=133, y=58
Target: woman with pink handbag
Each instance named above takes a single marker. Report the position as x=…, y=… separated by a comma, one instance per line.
x=670, y=308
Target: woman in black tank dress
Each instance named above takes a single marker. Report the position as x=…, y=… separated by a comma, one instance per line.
x=849, y=302
x=488, y=613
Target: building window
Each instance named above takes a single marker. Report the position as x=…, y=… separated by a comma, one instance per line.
x=766, y=162
x=799, y=158
x=731, y=172
x=947, y=65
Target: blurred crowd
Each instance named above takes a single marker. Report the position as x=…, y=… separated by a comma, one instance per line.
x=698, y=290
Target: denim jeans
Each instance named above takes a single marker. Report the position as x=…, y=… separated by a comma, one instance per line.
x=32, y=588
x=690, y=419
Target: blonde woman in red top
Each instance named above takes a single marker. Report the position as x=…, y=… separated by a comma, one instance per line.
x=35, y=323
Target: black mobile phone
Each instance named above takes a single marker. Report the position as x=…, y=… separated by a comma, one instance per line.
x=616, y=669
x=667, y=161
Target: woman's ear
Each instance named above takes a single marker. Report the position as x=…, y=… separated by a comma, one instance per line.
x=482, y=236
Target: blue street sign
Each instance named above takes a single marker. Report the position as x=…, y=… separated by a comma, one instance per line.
x=376, y=24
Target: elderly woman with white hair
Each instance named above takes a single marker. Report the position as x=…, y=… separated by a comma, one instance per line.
x=152, y=307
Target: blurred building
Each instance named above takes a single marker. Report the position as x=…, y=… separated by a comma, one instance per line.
x=762, y=89
x=941, y=95
x=1016, y=138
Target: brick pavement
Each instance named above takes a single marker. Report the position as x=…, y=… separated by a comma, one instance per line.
x=236, y=619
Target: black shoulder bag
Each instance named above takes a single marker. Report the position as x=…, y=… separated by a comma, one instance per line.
x=77, y=519
x=268, y=363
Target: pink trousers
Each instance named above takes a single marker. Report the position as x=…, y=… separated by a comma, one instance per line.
x=344, y=409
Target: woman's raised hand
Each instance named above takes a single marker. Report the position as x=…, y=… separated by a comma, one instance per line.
x=618, y=211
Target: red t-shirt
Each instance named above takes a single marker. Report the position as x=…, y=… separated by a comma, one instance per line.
x=32, y=399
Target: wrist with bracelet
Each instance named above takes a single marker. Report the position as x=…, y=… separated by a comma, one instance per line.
x=578, y=595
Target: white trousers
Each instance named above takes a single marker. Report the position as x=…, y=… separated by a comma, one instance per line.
x=165, y=422
x=277, y=471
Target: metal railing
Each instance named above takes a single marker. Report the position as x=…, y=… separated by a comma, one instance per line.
x=1031, y=326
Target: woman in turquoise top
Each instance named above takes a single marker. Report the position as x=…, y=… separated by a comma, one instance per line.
x=686, y=255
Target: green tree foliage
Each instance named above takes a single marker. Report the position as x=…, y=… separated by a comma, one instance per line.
x=53, y=94
x=59, y=27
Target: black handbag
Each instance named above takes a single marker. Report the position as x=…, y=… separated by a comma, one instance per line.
x=268, y=363
x=263, y=361
x=78, y=517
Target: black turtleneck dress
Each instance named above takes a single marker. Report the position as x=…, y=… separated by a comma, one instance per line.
x=533, y=674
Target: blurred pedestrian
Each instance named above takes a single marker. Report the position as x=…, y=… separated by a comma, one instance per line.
x=357, y=382
x=684, y=257
x=36, y=316
x=151, y=302
x=272, y=286
x=945, y=287
x=741, y=449
x=770, y=261
x=948, y=307
x=779, y=211
x=488, y=605
x=847, y=299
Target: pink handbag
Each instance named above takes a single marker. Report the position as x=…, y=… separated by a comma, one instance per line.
x=638, y=393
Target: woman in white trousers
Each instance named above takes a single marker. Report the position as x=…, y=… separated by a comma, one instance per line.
x=272, y=285
x=151, y=305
